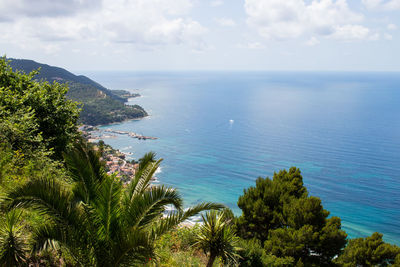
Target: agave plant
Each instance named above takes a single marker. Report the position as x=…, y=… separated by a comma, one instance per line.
x=101, y=222
x=217, y=238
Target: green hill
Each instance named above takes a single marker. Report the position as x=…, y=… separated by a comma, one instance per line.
x=100, y=105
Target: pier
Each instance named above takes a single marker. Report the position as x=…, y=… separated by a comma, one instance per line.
x=131, y=134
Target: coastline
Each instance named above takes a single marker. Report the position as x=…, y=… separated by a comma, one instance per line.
x=117, y=122
x=125, y=120
x=88, y=131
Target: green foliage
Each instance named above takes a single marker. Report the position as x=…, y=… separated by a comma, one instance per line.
x=16, y=167
x=217, y=237
x=274, y=261
x=95, y=218
x=34, y=113
x=149, y=157
x=19, y=130
x=369, y=251
x=13, y=247
x=175, y=248
x=292, y=225
x=124, y=94
x=186, y=237
x=84, y=85
x=108, y=110
x=100, y=105
x=262, y=205
x=252, y=253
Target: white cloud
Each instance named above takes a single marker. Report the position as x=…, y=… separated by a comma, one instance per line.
x=382, y=5
x=251, y=45
x=388, y=36
x=392, y=5
x=226, y=22
x=45, y=8
x=312, y=41
x=139, y=22
x=372, y=4
x=351, y=32
x=391, y=27
x=255, y=45
x=215, y=3
x=276, y=19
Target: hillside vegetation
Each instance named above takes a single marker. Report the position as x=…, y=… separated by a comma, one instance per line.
x=99, y=104
x=59, y=206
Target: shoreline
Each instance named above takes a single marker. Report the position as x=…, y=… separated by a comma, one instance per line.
x=125, y=120
x=95, y=133
x=117, y=122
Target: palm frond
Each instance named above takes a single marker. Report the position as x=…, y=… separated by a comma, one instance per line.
x=95, y=218
x=145, y=207
x=202, y=207
x=107, y=207
x=47, y=196
x=217, y=237
x=135, y=247
x=149, y=157
x=175, y=218
x=142, y=178
x=85, y=169
x=145, y=163
x=51, y=236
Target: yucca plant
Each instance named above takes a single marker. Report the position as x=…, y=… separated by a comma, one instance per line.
x=217, y=238
x=99, y=221
x=12, y=245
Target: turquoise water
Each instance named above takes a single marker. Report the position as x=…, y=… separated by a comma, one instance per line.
x=219, y=131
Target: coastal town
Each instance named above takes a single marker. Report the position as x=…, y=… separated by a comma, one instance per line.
x=115, y=160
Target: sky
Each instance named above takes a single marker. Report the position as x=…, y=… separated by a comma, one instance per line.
x=131, y=35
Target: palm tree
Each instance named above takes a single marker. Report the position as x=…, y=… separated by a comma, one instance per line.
x=12, y=245
x=217, y=237
x=99, y=221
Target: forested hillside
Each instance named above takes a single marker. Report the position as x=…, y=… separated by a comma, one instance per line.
x=100, y=105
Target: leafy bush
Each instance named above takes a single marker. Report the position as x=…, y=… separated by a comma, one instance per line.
x=35, y=113
x=369, y=251
x=179, y=241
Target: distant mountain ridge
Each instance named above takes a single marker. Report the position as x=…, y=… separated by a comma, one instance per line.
x=52, y=73
x=100, y=105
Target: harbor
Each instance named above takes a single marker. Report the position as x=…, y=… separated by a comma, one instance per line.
x=131, y=134
x=93, y=134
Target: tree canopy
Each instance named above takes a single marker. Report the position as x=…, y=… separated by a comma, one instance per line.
x=290, y=223
x=369, y=251
x=35, y=113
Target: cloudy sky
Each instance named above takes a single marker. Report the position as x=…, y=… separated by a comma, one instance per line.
x=204, y=34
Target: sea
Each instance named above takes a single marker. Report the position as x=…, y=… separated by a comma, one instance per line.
x=219, y=131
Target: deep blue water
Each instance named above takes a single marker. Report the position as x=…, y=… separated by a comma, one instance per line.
x=219, y=131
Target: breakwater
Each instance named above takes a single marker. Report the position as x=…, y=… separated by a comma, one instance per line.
x=131, y=134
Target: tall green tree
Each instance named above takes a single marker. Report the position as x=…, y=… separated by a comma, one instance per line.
x=33, y=112
x=290, y=223
x=369, y=251
x=217, y=238
x=99, y=221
